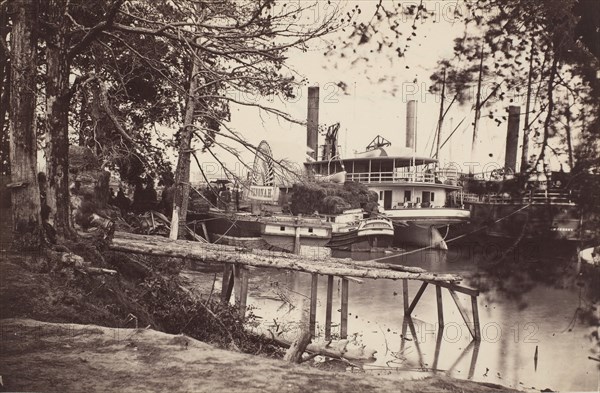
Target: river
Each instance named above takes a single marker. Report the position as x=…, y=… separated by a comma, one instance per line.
x=531, y=336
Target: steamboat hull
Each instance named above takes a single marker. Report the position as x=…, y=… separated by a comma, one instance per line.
x=232, y=229
x=546, y=222
x=415, y=234
x=425, y=227
x=293, y=234
x=351, y=241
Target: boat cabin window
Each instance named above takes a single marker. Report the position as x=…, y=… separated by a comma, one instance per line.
x=310, y=230
x=282, y=228
x=407, y=196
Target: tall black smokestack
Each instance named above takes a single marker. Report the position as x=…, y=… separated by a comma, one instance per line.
x=411, y=124
x=312, y=123
x=512, y=139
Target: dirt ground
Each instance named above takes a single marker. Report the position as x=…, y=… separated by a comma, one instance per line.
x=40, y=356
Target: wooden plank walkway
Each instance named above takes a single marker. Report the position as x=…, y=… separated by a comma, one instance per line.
x=237, y=261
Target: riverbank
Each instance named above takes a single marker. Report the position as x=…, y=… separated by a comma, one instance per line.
x=39, y=356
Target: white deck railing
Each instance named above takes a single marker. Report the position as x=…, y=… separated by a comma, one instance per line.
x=536, y=197
x=399, y=177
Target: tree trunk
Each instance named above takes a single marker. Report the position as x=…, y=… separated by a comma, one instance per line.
x=23, y=148
x=57, y=121
x=182, y=173
x=303, y=337
x=4, y=98
x=4, y=108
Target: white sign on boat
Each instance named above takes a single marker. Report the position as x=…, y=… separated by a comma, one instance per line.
x=263, y=193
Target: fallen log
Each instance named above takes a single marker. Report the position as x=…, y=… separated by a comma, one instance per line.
x=99, y=270
x=335, y=350
x=152, y=245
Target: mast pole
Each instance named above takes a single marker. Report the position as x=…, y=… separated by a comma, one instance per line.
x=415, y=138
x=477, y=107
x=525, y=151
x=568, y=131
x=441, y=119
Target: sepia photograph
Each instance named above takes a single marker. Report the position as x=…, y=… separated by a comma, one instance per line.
x=300, y=196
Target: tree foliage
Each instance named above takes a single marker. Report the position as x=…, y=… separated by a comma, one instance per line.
x=522, y=39
x=114, y=73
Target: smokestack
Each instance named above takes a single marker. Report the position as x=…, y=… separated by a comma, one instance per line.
x=312, y=123
x=512, y=139
x=411, y=124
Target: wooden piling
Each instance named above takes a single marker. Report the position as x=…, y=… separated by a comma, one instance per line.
x=243, y=291
x=344, y=318
x=476, y=326
x=473, y=359
x=438, y=348
x=227, y=285
x=404, y=333
x=329, y=308
x=440, y=306
x=237, y=284
x=405, y=295
x=313, y=304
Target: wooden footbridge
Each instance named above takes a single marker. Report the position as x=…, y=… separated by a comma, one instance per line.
x=237, y=261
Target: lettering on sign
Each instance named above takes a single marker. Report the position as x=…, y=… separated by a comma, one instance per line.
x=263, y=193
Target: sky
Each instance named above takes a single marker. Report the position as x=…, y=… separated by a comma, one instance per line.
x=374, y=102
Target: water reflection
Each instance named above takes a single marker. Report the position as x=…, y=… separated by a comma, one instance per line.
x=510, y=332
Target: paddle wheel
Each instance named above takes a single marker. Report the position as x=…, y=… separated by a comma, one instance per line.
x=263, y=173
x=262, y=187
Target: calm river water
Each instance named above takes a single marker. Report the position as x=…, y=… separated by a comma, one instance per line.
x=523, y=310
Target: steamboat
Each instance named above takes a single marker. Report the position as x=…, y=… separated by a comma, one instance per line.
x=417, y=196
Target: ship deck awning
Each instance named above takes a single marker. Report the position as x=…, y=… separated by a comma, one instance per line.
x=413, y=184
x=397, y=161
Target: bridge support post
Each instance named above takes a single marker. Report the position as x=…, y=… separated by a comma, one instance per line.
x=405, y=295
x=244, y=273
x=328, y=308
x=440, y=306
x=227, y=285
x=313, y=304
x=344, y=309
x=476, y=327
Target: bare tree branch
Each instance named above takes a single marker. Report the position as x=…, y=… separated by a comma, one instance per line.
x=95, y=31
